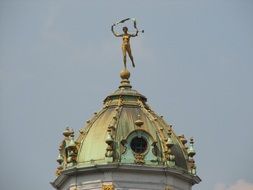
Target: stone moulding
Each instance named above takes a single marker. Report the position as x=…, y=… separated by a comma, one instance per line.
x=175, y=172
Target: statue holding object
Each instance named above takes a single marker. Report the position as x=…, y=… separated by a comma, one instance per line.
x=126, y=48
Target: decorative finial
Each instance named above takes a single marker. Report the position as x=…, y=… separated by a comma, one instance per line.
x=183, y=140
x=191, y=151
x=169, y=142
x=139, y=122
x=72, y=144
x=126, y=49
x=109, y=150
x=125, y=75
x=59, y=159
x=67, y=132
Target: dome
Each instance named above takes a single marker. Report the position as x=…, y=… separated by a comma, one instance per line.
x=126, y=131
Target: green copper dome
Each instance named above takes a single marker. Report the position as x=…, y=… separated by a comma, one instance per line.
x=126, y=131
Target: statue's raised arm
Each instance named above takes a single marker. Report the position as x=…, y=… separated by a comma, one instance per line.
x=114, y=33
x=136, y=34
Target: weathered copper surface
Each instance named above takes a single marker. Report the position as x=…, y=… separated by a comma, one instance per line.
x=107, y=136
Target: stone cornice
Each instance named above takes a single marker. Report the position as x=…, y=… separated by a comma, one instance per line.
x=174, y=172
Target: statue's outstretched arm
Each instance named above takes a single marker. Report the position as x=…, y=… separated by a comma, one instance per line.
x=114, y=33
x=136, y=34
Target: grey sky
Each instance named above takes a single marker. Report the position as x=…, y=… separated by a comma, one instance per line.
x=59, y=60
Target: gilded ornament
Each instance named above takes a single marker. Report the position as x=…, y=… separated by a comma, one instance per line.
x=139, y=159
x=139, y=122
x=108, y=187
x=126, y=48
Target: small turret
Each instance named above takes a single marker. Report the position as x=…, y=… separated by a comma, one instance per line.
x=191, y=154
x=67, y=151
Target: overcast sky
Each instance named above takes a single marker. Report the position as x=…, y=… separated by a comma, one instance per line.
x=194, y=63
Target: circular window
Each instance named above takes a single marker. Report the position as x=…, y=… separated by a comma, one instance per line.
x=139, y=144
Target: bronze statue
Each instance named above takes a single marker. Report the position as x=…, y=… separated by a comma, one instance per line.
x=126, y=40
